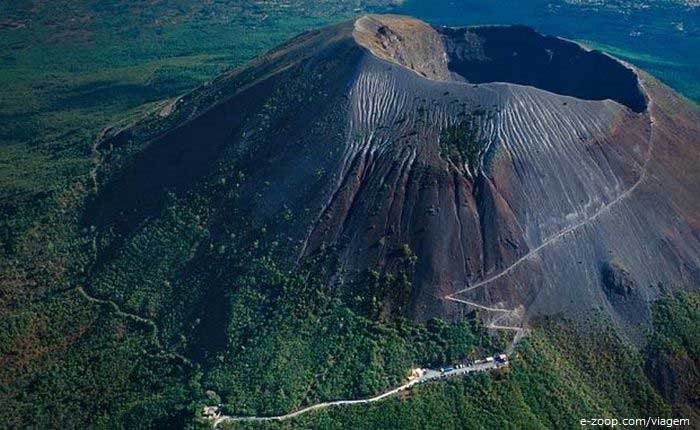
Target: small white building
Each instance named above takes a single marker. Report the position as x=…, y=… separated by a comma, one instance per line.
x=211, y=412
x=416, y=373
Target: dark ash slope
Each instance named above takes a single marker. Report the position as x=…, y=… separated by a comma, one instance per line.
x=524, y=182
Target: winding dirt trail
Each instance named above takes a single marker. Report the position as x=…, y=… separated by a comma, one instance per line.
x=520, y=332
x=225, y=418
x=430, y=375
x=115, y=307
x=556, y=237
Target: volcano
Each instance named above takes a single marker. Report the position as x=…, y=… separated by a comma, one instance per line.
x=527, y=175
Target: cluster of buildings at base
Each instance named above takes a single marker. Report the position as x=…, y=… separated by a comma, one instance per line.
x=493, y=362
x=499, y=359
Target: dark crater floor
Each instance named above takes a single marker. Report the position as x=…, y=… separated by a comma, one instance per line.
x=520, y=55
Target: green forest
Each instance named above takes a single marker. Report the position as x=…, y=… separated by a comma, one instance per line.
x=105, y=329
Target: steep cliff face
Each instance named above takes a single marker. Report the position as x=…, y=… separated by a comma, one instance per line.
x=513, y=165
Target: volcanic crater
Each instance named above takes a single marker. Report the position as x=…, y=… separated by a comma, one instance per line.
x=514, y=166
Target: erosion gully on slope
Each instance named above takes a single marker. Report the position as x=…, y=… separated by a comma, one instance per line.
x=554, y=238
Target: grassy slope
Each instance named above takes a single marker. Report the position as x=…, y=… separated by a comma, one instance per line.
x=67, y=363
x=560, y=375
x=297, y=343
